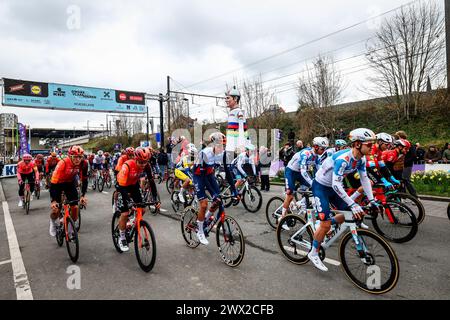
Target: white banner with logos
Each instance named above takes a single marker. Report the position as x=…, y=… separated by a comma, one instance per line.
x=437, y=166
x=9, y=170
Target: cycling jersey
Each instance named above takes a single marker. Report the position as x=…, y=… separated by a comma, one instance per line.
x=185, y=162
x=241, y=159
x=130, y=173
x=121, y=161
x=206, y=160
x=39, y=164
x=301, y=161
x=23, y=168
x=65, y=177
x=328, y=153
x=332, y=172
x=51, y=164
x=236, y=134
x=394, y=161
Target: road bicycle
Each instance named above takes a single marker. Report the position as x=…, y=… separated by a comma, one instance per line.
x=414, y=204
x=138, y=231
x=37, y=187
x=104, y=178
x=249, y=195
x=66, y=230
x=366, y=258
x=27, y=196
x=147, y=196
x=229, y=235
x=92, y=178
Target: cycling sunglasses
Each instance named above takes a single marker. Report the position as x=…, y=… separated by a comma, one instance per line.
x=368, y=144
x=77, y=157
x=141, y=162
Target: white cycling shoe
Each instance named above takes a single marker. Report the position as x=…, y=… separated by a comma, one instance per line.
x=317, y=262
x=123, y=245
x=52, y=229
x=201, y=237
x=181, y=197
x=364, y=226
x=20, y=203
x=284, y=226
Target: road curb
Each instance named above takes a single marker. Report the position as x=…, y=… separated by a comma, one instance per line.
x=423, y=197
x=2, y=194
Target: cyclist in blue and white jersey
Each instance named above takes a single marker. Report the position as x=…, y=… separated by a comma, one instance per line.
x=98, y=161
x=328, y=187
x=205, y=179
x=297, y=169
x=339, y=144
x=243, y=158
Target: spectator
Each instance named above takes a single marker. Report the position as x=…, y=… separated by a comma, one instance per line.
x=420, y=153
x=169, y=148
x=342, y=135
x=163, y=161
x=432, y=155
x=299, y=146
x=446, y=154
x=264, y=164
x=410, y=156
x=286, y=154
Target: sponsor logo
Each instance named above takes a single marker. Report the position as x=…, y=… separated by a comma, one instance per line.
x=83, y=94
x=59, y=92
x=123, y=96
x=106, y=94
x=136, y=98
x=36, y=90
x=16, y=88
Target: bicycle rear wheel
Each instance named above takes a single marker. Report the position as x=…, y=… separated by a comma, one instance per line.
x=176, y=204
x=372, y=265
x=189, y=227
x=296, y=242
x=73, y=246
x=230, y=242
x=145, y=246
x=37, y=191
x=272, y=206
x=109, y=181
x=252, y=199
x=100, y=184
x=60, y=234
x=411, y=202
x=397, y=223
x=115, y=233
x=226, y=198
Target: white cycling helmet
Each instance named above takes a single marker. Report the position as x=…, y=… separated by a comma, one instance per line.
x=191, y=148
x=362, y=134
x=99, y=153
x=386, y=138
x=340, y=143
x=321, y=142
x=218, y=138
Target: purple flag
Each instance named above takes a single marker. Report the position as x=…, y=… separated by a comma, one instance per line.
x=23, y=140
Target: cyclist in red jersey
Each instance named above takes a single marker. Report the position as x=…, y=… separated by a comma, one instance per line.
x=26, y=170
x=50, y=165
x=394, y=158
x=128, y=155
x=128, y=186
x=65, y=178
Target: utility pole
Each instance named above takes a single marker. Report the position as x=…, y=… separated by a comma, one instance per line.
x=447, y=40
x=168, y=103
x=161, y=119
x=148, y=136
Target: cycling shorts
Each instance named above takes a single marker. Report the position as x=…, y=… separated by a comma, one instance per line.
x=126, y=194
x=324, y=197
x=290, y=179
x=97, y=166
x=183, y=174
x=206, y=182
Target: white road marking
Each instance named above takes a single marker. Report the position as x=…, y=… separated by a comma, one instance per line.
x=105, y=192
x=327, y=260
x=5, y=262
x=162, y=210
x=23, y=289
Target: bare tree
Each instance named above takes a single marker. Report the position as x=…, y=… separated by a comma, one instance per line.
x=255, y=99
x=318, y=93
x=406, y=53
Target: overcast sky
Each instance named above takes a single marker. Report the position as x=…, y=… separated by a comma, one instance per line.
x=134, y=45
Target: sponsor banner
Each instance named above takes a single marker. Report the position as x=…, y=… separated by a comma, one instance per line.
x=68, y=97
x=431, y=167
x=23, y=139
x=9, y=170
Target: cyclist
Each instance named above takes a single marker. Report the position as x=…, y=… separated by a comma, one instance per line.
x=98, y=162
x=376, y=168
x=50, y=165
x=236, y=135
x=128, y=186
x=183, y=170
x=40, y=164
x=327, y=187
x=127, y=154
x=204, y=179
x=243, y=158
x=27, y=170
x=297, y=170
x=65, y=179
x=394, y=158
x=91, y=161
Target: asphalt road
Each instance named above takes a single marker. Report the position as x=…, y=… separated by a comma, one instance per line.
x=184, y=273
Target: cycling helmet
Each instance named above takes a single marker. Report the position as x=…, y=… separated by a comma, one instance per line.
x=218, y=138
x=106, y=154
x=233, y=92
x=53, y=154
x=99, y=153
x=362, y=134
x=191, y=148
x=129, y=151
x=142, y=154
x=27, y=157
x=403, y=142
x=40, y=156
x=386, y=138
x=75, y=151
x=340, y=143
x=320, y=142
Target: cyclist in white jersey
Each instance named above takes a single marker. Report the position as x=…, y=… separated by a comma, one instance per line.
x=297, y=170
x=243, y=158
x=98, y=161
x=328, y=187
x=339, y=144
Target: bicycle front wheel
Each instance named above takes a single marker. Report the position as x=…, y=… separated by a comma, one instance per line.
x=411, y=202
x=230, y=242
x=189, y=227
x=145, y=246
x=296, y=242
x=169, y=185
x=397, y=223
x=109, y=181
x=371, y=265
x=27, y=201
x=73, y=246
x=273, y=206
x=100, y=184
x=176, y=204
x=252, y=199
